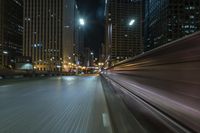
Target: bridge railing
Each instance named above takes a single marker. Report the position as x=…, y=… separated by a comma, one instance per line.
x=179, y=60
x=167, y=77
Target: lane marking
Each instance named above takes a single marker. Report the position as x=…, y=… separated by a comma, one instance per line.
x=4, y=86
x=106, y=121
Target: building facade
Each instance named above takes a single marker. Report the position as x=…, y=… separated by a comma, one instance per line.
x=11, y=32
x=79, y=46
x=79, y=39
x=88, y=57
x=49, y=33
x=122, y=39
x=102, y=53
x=168, y=20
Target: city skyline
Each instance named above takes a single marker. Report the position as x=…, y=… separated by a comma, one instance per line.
x=54, y=36
x=166, y=21
x=49, y=37
x=11, y=31
x=99, y=66
x=124, y=29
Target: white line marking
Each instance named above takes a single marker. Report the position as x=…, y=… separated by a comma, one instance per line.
x=6, y=86
x=106, y=121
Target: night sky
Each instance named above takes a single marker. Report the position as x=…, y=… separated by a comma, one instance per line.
x=93, y=12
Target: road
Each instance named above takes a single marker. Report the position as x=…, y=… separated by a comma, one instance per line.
x=54, y=105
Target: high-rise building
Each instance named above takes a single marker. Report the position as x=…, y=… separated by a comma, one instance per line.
x=11, y=31
x=49, y=33
x=102, y=53
x=79, y=45
x=124, y=22
x=79, y=39
x=88, y=57
x=168, y=20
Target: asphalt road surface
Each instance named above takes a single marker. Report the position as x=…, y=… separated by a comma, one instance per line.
x=55, y=105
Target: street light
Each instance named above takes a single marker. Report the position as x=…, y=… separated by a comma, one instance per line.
x=132, y=22
x=5, y=52
x=82, y=21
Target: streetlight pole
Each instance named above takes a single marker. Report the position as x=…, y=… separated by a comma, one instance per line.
x=5, y=58
x=92, y=54
x=130, y=50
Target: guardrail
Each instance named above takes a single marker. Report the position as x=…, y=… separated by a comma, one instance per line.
x=168, y=78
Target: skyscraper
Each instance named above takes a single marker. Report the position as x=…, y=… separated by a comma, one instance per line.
x=49, y=33
x=79, y=39
x=168, y=20
x=11, y=31
x=123, y=29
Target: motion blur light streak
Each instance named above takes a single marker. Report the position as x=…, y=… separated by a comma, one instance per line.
x=99, y=66
x=38, y=106
x=167, y=78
